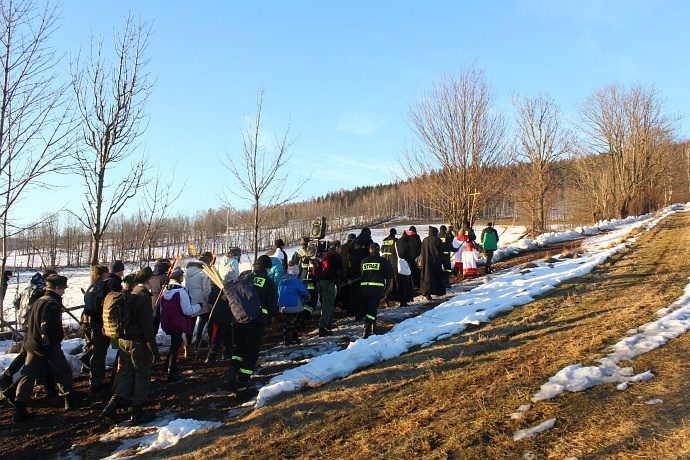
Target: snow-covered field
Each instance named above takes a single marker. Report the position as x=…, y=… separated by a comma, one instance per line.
x=488, y=296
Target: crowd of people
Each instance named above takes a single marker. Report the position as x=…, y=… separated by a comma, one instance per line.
x=126, y=312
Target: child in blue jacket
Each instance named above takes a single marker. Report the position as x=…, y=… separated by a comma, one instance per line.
x=291, y=296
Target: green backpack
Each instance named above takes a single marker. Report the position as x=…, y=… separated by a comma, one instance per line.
x=118, y=315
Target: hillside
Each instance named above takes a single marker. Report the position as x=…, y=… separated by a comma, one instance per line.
x=455, y=398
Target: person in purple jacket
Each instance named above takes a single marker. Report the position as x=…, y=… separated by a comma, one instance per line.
x=176, y=318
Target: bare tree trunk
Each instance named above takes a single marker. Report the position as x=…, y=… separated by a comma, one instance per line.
x=111, y=103
x=256, y=177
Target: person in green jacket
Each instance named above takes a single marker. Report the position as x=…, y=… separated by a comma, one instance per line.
x=490, y=244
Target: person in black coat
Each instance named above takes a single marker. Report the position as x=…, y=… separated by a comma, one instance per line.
x=43, y=346
x=359, y=250
x=388, y=252
x=161, y=272
x=447, y=245
x=401, y=289
x=219, y=325
x=345, y=298
x=248, y=337
x=375, y=272
x=415, y=251
x=99, y=341
x=431, y=282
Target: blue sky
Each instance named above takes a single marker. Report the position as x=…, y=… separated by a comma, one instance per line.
x=343, y=74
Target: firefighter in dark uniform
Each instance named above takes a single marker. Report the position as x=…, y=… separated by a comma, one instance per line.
x=43, y=340
x=248, y=337
x=375, y=272
x=388, y=253
x=137, y=354
x=447, y=249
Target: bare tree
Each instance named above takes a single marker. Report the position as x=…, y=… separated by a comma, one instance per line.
x=629, y=128
x=541, y=143
x=457, y=146
x=257, y=173
x=153, y=212
x=34, y=114
x=111, y=100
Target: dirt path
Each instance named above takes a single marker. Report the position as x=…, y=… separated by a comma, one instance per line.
x=55, y=431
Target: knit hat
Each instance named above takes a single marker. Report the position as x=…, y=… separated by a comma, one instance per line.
x=351, y=236
x=393, y=231
x=366, y=230
x=374, y=246
x=116, y=266
x=55, y=281
x=263, y=262
x=143, y=275
x=177, y=273
x=334, y=244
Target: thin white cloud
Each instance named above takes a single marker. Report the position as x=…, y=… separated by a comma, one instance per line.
x=361, y=123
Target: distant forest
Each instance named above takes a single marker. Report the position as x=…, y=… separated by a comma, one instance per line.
x=61, y=239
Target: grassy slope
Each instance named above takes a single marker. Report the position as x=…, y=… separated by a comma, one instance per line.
x=452, y=400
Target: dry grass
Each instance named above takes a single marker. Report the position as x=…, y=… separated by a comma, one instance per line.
x=454, y=399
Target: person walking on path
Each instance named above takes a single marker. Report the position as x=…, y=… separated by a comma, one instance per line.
x=176, y=318
x=490, y=244
x=415, y=251
x=137, y=353
x=431, y=282
x=43, y=346
x=329, y=274
x=376, y=271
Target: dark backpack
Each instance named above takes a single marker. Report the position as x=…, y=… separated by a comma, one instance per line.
x=93, y=298
x=243, y=297
x=322, y=269
x=118, y=315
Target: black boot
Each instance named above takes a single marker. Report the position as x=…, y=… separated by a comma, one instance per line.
x=110, y=410
x=323, y=332
x=173, y=375
x=243, y=390
x=20, y=412
x=140, y=417
x=11, y=393
x=172, y=368
x=6, y=381
x=72, y=401
x=231, y=379
x=368, y=329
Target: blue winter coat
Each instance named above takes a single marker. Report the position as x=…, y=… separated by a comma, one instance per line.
x=291, y=294
x=276, y=271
